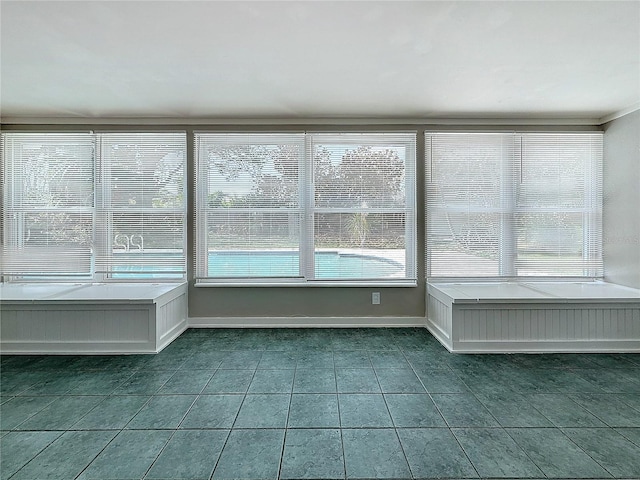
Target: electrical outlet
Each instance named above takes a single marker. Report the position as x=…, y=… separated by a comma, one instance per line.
x=375, y=298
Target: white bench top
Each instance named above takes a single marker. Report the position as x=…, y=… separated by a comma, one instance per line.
x=533, y=292
x=86, y=292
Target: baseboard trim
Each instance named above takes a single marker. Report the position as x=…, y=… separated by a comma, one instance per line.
x=304, y=322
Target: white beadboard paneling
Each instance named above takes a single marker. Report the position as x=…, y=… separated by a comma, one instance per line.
x=534, y=325
x=547, y=327
x=113, y=322
x=171, y=320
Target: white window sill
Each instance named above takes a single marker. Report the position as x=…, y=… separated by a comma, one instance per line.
x=328, y=283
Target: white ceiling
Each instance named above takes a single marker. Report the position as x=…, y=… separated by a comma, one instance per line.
x=304, y=59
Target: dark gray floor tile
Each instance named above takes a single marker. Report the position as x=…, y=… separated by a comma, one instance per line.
x=166, y=360
x=55, y=383
x=100, y=382
x=213, y=411
x=112, y=414
x=229, y=381
x=463, y=410
x=186, y=382
x=312, y=454
x=489, y=382
x=530, y=381
x=611, y=360
x=263, y=411
x=315, y=359
x=374, y=453
x=314, y=380
x=632, y=434
x=18, y=362
x=555, y=454
x=513, y=410
x=554, y=360
x=14, y=382
x=477, y=363
x=144, y=382
x=17, y=448
x=162, y=412
x=427, y=360
x=569, y=381
x=19, y=409
x=399, y=380
x=352, y=359
x=613, y=451
x=563, y=412
x=241, y=360
x=441, y=381
x=190, y=454
x=314, y=410
x=392, y=359
x=357, y=380
x=348, y=339
x=494, y=453
x=413, y=410
x=556, y=390
x=379, y=339
x=128, y=456
x=416, y=339
x=272, y=381
x=630, y=399
x=204, y=359
x=51, y=363
x=66, y=457
x=250, y=455
x=611, y=380
x=61, y=414
x=610, y=409
x=276, y=360
x=435, y=453
x=363, y=410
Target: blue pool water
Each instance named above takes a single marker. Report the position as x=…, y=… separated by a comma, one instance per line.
x=238, y=264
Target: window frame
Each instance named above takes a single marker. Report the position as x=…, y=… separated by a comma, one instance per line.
x=510, y=209
x=308, y=210
x=101, y=226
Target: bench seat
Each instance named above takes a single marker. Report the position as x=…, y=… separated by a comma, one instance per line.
x=91, y=318
x=541, y=316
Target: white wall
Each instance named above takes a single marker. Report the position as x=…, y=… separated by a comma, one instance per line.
x=622, y=200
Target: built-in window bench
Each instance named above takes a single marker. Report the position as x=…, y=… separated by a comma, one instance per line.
x=534, y=316
x=91, y=318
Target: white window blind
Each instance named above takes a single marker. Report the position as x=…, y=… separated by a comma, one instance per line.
x=248, y=211
x=142, y=199
x=48, y=205
x=364, y=206
x=305, y=207
x=558, y=219
x=509, y=205
x=93, y=206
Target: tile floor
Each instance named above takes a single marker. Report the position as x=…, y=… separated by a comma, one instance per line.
x=319, y=404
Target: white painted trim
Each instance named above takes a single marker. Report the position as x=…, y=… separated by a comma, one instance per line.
x=620, y=113
x=168, y=337
x=305, y=322
x=470, y=120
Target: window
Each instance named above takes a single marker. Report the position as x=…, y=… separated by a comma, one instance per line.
x=511, y=205
x=305, y=207
x=104, y=206
x=141, y=194
x=48, y=205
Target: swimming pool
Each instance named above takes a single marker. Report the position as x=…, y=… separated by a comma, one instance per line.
x=283, y=264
